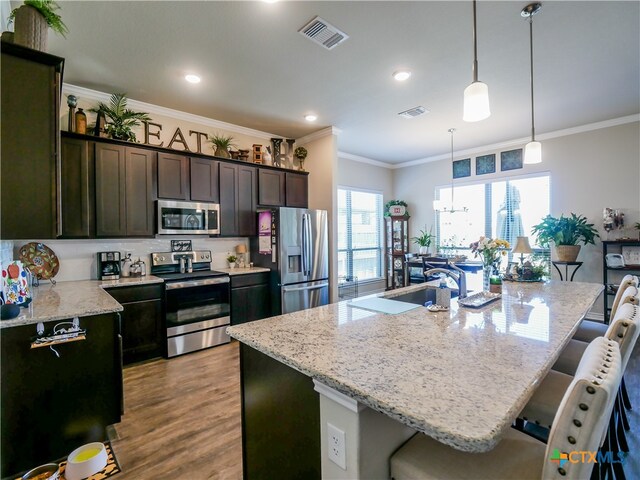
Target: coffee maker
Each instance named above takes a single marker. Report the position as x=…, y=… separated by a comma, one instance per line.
x=108, y=265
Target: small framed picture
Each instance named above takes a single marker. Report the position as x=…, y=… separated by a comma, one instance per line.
x=511, y=160
x=486, y=164
x=462, y=168
x=631, y=255
x=181, y=246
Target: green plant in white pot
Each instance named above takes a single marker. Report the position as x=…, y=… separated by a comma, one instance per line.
x=32, y=22
x=566, y=233
x=424, y=240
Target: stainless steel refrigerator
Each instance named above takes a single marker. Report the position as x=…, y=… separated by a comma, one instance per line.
x=293, y=243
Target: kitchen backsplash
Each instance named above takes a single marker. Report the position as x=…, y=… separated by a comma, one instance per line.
x=78, y=257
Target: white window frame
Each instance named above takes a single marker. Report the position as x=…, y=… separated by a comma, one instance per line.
x=380, y=234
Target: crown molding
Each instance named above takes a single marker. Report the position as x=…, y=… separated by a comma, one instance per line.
x=495, y=146
x=325, y=132
x=87, y=93
x=358, y=158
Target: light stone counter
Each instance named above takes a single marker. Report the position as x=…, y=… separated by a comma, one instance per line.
x=242, y=271
x=66, y=300
x=460, y=376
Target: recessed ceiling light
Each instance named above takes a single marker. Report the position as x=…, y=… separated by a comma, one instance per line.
x=401, y=75
x=192, y=78
x=311, y=117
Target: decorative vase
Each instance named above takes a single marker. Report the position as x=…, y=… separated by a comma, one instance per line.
x=487, y=271
x=222, y=152
x=80, y=122
x=567, y=253
x=423, y=250
x=300, y=164
x=31, y=28
x=232, y=264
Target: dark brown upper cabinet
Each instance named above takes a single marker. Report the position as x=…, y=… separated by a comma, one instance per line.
x=29, y=149
x=124, y=191
x=173, y=176
x=77, y=193
x=297, y=190
x=204, y=180
x=238, y=185
x=271, y=188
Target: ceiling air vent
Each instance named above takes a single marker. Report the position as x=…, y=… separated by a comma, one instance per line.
x=323, y=33
x=414, y=112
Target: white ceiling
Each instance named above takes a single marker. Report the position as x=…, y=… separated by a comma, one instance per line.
x=260, y=73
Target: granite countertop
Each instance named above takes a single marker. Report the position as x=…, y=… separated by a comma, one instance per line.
x=460, y=376
x=242, y=271
x=73, y=299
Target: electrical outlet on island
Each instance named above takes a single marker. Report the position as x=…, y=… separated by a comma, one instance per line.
x=336, y=446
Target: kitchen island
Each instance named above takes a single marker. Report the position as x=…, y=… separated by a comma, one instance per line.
x=460, y=377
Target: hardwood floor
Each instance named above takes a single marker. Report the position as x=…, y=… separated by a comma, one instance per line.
x=182, y=418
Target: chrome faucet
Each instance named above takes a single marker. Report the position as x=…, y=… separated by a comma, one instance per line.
x=459, y=276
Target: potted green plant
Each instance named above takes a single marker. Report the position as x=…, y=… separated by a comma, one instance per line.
x=566, y=233
x=221, y=145
x=120, y=120
x=32, y=21
x=231, y=260
x=424, y=240
x=301, y=154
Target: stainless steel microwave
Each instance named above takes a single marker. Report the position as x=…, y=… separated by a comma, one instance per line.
x=188, y=218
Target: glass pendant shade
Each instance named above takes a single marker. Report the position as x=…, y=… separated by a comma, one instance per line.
x=533, y=153
x=476, y=102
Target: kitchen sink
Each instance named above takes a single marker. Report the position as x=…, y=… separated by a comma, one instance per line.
x=421, y=297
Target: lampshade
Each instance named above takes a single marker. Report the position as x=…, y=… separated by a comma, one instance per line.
x=522, y=246
x=533, y=153
x=242, y=248
x=476, y=102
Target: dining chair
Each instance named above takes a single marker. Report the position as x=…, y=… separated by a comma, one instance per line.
x=580, y=426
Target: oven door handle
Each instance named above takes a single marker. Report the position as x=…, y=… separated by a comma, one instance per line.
x=196, y=283
x=300, y=289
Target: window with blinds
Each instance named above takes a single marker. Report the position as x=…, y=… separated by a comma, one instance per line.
x=359, y=234
x=509, y=209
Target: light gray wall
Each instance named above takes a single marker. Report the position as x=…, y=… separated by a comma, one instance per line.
x=358, y=175
x=589, y=171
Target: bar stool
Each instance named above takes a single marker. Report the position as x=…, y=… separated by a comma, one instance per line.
x=580, y=426
x=588, y=329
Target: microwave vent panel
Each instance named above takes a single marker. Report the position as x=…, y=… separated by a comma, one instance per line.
x=323, y=33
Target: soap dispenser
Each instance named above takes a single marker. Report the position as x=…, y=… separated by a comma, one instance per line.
x=443, y=293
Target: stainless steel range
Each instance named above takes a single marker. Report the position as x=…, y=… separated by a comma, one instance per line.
x=196, y=300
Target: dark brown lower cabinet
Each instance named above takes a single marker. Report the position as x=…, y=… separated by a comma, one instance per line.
x=143, y=330
x=250, y=297
x=50, y=405
x=280, y=420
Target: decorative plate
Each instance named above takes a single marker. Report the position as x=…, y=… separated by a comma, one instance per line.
x=40, y=260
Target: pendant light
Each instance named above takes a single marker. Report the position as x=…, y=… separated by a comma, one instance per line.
x=438, y=205
x=533, y=149
x=476, y=95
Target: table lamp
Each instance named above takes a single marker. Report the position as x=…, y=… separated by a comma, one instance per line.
x=522, y=247
x=241, y=250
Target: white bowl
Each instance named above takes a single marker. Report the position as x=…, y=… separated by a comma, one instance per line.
x=79, y=467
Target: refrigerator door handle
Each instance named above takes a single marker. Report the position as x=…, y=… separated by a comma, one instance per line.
x=309, y=252
x=300, y=289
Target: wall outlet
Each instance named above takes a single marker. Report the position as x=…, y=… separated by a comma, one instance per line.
x=336, y=446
